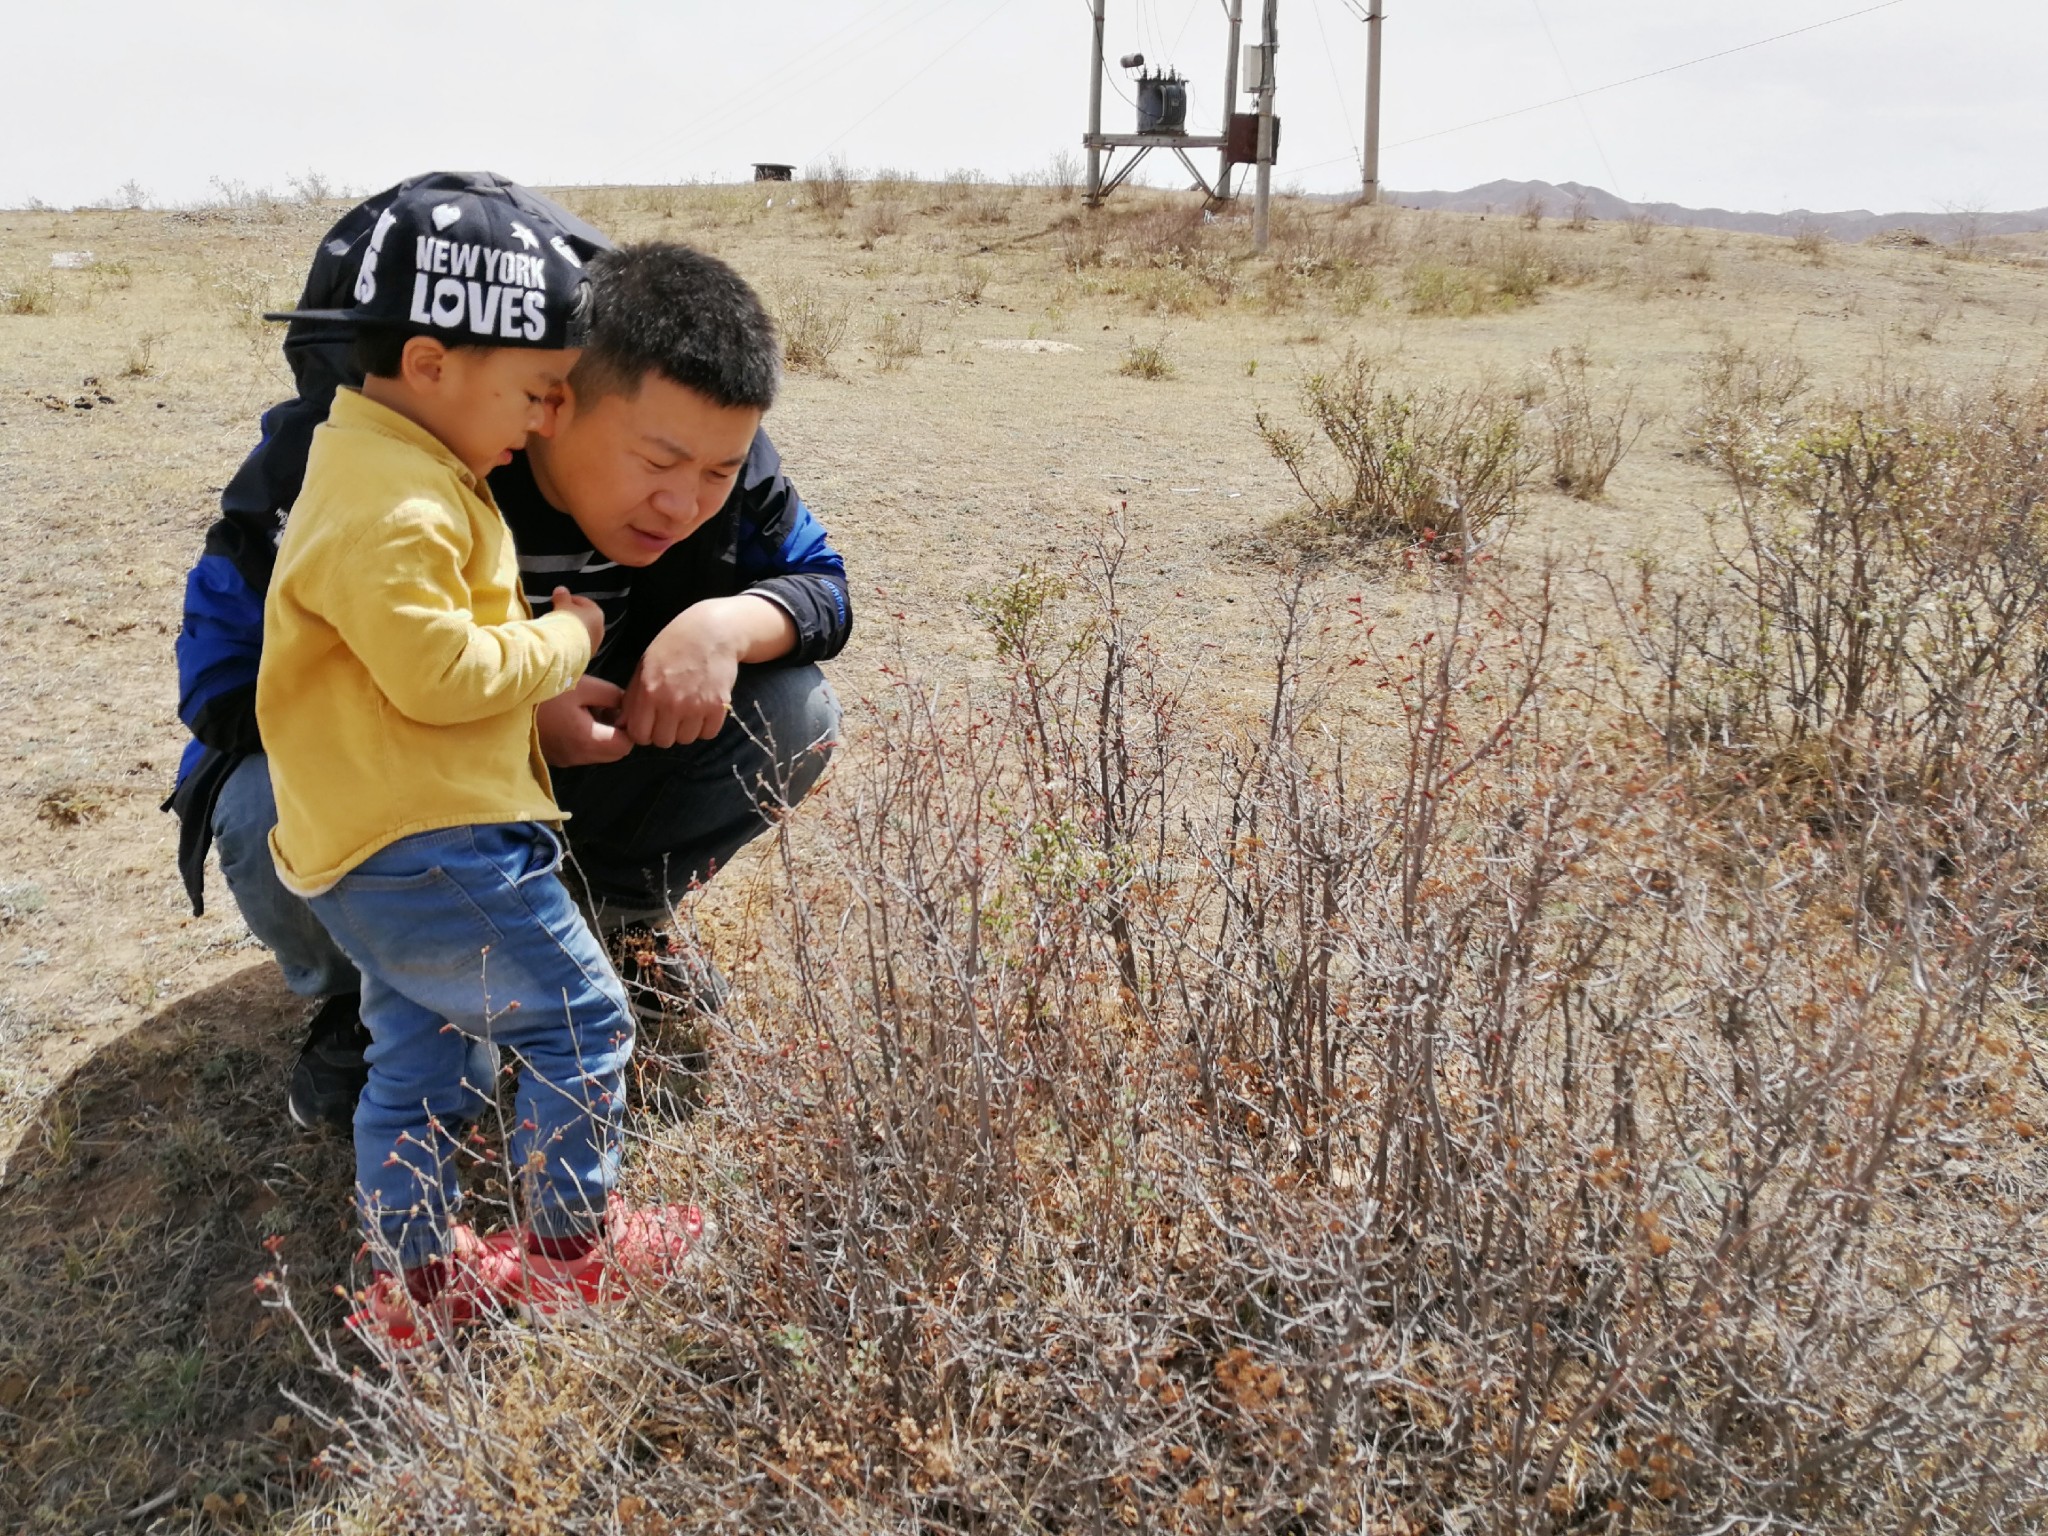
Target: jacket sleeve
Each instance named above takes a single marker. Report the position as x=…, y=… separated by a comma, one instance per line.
x=219, y=642
x=399, y=607
x=783, y=553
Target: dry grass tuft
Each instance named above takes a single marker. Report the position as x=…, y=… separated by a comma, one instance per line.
x=1147, y=359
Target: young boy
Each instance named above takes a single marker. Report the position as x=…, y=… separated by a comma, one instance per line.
x=396, y=697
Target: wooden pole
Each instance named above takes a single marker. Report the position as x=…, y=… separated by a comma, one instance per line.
x=1262, y=202
x=1094, y=198
x=1372, y=101
x=1230, y=94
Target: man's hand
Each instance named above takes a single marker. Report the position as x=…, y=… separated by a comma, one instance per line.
x=582, y=726
x=683, y=687
x=583, y=608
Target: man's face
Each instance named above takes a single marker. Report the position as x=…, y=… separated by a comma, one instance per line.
x=641, y=474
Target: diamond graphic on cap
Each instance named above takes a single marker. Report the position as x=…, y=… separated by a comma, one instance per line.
x=445, y=214
x=526, y=236
x=562, y=249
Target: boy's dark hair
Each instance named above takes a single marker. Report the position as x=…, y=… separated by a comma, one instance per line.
x=668, y=309
x=377, y=350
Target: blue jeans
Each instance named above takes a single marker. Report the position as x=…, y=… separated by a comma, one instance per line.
x=468, y=935
x=641, y=830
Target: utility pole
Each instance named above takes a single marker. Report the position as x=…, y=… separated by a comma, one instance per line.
x=1376, y=11
x=1262, y=201
x=1094, y=199
x=1236, y=14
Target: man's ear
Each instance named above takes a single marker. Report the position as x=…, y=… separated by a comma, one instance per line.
x=424, y=362
x=564, y=400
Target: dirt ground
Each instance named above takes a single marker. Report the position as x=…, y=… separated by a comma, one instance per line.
x=975, y=418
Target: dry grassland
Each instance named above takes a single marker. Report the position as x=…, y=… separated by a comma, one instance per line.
x=981, y=374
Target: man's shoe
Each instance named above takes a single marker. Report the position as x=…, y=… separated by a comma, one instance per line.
x=640, y=1246
x=328, y=1077
x=675, y=992
x=665, y=978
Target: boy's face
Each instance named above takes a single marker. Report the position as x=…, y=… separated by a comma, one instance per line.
x=641, y=474
x=490, y=399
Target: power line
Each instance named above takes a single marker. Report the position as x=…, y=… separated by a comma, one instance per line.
x=1614, y=85
x=923, y=69
x=1571, y=85
x=711, y=124
x=1343, y=106
x=1090, y=9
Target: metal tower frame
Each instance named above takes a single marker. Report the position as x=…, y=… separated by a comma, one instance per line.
x=1102, y=147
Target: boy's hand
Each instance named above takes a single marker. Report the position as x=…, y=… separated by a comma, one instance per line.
x=583, y=608
x=581, y=726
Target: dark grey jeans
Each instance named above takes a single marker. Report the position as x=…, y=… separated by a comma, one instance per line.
x=641, y=831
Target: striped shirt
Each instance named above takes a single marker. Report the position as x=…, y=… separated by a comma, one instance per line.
x=554, y=552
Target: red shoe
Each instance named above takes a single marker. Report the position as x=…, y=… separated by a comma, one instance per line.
x=640, y=1245
x=475, y=1269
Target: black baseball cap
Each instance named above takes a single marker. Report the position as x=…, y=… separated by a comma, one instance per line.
x=467, y=267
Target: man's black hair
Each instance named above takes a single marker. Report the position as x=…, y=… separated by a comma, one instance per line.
x=668, y=309
x=377, y=351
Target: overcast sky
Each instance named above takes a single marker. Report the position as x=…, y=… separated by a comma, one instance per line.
x=1919, y=105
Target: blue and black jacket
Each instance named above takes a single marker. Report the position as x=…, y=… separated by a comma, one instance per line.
x=763, y=540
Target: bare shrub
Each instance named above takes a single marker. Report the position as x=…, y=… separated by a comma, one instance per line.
x=1588, y=436
x=1530, y=212
x=897, y=336
x=1742, y=396
x=970, y=280
x=1641, y=225
x=813, y=323
x=1965, y=225
x=828, y=186
x=238, y=197
x=955, y=188
x=879, y=219
x=1892, y=594
x=1580, y=218
x=1811, y=241
x=1167, y=234
x=141, y=363
x=1063, y=174
x=246, y=291
x=1410, y=464
x=1080, y=243
x=985, y=202
x=1402, y=1116
x=892, y=186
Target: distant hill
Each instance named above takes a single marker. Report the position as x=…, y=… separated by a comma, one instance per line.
x=1559, y=198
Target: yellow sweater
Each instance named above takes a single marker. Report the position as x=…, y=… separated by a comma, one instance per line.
x=400, y=661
